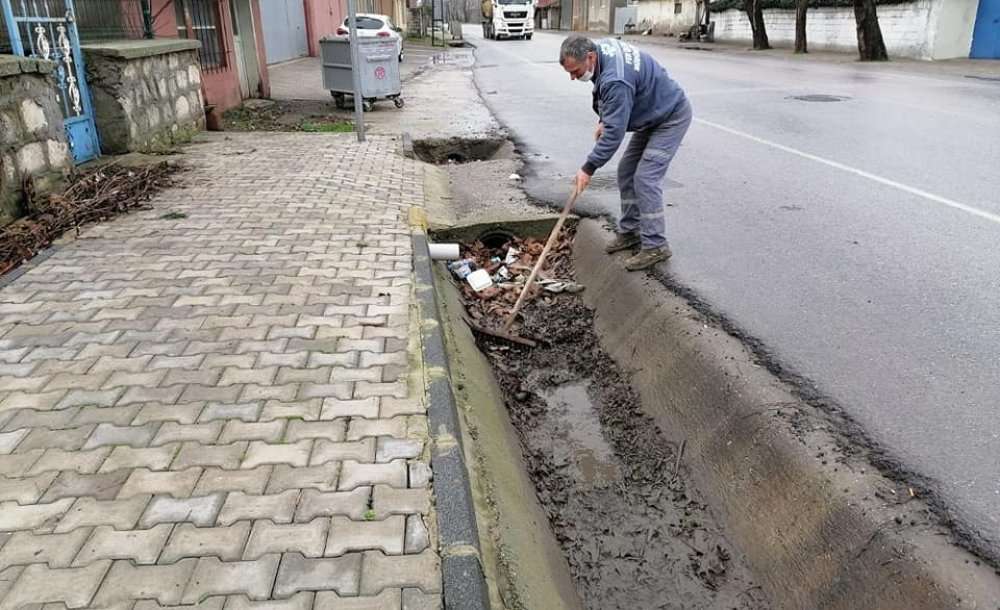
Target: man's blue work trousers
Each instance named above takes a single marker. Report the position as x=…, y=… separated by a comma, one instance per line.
x=641, y=172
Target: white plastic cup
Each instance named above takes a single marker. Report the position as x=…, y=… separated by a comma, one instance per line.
x=443, y=252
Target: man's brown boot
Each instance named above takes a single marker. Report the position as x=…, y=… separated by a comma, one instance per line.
x=646, y=258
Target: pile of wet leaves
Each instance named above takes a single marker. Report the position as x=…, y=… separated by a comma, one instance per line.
x=92, y=195
x=611, y=484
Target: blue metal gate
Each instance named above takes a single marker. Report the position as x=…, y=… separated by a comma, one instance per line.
x=49, y=27
x=986, y=37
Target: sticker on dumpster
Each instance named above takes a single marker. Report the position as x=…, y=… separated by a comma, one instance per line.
x=380, y=73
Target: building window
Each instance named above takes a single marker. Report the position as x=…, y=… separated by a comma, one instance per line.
x=678, y=8
x=200, y=19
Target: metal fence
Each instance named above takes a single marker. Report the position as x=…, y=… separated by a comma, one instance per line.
x=95, y=19
x=202, y=20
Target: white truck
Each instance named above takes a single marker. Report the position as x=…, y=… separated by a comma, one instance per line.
x=508, y=19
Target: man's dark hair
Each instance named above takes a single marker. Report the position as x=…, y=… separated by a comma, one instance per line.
x=577, y=47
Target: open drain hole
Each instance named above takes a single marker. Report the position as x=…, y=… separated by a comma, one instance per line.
x=496, y=239
x=445, y=151
x=819, y=97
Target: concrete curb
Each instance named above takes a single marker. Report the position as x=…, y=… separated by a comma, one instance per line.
x=819, y=526
x=461, y=567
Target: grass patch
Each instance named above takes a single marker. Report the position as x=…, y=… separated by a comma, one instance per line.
x=338, y=127
x=173, y=216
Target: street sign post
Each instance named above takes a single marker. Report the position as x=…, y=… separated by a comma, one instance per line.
x=359, y=114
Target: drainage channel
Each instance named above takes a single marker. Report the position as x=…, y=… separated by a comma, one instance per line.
x=631, y=528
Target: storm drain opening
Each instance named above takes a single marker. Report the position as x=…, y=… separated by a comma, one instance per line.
x=446, y=151
x=819, y=97
x=633, y=530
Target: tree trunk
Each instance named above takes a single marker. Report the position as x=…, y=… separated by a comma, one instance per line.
x=871, y=47
x=756, y=15
x=801, y=45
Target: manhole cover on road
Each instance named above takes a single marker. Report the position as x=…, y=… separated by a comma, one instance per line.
x=819, y=98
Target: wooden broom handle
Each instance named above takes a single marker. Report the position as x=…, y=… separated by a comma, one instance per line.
x=541, y=259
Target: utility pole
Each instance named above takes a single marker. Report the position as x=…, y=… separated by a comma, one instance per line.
x=359, y=113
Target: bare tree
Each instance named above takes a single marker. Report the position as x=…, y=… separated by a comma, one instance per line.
x=871, y=47
x=755, y=12
x=801, y=45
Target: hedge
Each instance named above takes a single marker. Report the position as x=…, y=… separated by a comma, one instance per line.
x=725, y=5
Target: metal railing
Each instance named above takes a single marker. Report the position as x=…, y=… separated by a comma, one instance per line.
x=203, y=20
x=95, y=19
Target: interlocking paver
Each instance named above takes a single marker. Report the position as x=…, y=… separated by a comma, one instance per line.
x=141, y=546
x=178, y=484
x=327, y=451
x=299, y=601
x=347, y=535
x=25, y=490
x=354, y=474
x=172, y=432
x=119, y=416
x=227, y=457
x=390, y=599
x=39, y=584
x=10, y=440
x=110, y=434
x=382, y=571
x=199, y=510
x=153, y=458
x=391, y=501
x=283, y=393
x=19, y=464
x=307, y=410
x=182, y=413
x=126, y=582
x=67, y=439
x=352, y=504
x=237, y=430
x=30, y=418
x=247, y=412
x=119, y=514
x=415, y=599
x=226, y=543
x=328, y=430
x=334, y=408
x=55, y=550
x=7, y=579
x=69, y=484
x=276, y=507
x=420, y=474
x=252, y=482
x=388, y=449
x=417, y=537
x=294, y=454
x=305, y=538
x=14, y=517
x=214, y=577
x=298, y=573
x=285, y=477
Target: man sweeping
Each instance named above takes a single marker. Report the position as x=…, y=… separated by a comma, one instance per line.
x=632, y=92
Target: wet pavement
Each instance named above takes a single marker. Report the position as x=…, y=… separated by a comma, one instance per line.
x=855, y=238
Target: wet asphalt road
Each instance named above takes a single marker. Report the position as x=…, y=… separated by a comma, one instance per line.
x=857, y=239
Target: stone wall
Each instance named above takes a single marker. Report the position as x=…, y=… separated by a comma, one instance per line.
x=32, y=139
x=923, y=29
x=147, y=93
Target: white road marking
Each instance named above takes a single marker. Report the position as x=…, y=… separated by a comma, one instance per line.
x=968, y=209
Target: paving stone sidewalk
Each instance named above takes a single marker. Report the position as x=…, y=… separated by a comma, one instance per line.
x=214, y=411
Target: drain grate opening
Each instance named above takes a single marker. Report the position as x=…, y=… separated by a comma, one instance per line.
x=819, y=97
